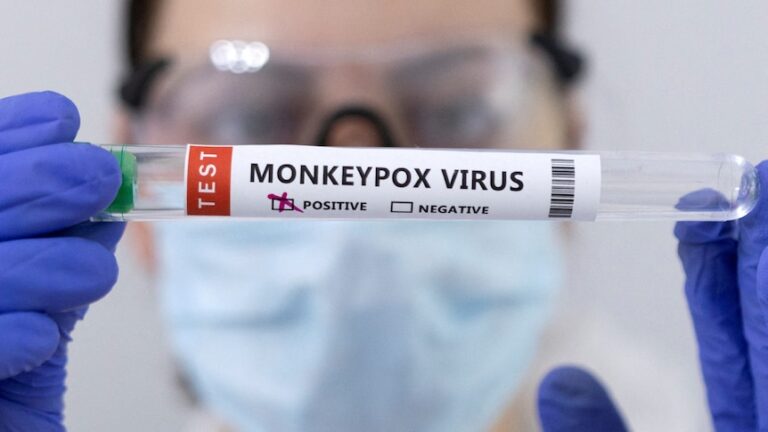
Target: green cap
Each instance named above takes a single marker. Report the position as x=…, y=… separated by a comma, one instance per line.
x=124, y=201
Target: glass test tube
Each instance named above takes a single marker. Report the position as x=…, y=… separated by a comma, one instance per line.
x=278, y=182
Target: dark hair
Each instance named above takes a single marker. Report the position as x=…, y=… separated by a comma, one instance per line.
x=550, y=14
x=140, y=25
x=139, y=28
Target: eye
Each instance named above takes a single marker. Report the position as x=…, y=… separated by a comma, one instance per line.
x=457, y=123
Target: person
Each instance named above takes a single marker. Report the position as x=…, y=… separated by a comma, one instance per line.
x=339, y=326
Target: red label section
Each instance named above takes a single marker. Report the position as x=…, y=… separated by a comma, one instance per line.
x=209, y=173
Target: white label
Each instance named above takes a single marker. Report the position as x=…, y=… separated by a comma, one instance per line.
x=280, y=181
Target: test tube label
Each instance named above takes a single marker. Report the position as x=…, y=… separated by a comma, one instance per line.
x=283, y=181
x=208, y=174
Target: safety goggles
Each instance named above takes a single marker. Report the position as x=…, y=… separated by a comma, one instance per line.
x=475, y=91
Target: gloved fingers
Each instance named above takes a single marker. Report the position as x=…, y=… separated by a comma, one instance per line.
x=54, y=275
x=50, y=188
x=700, y=233
x=762, y=281
x=708, y=252
x=41, y=387
x=36, y=119
x=107, y=234
x=762, y=295
x=572, y=400
x=15, y=418
x=28, y=340
x=753, y=239
x=703, y=200
x=68, y=320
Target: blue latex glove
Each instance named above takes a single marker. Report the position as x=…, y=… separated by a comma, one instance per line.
x=52, y=264
x=572, y=400
x=727, y=291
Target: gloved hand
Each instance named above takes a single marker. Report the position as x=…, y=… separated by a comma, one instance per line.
x=727, y=292
x=52, y=263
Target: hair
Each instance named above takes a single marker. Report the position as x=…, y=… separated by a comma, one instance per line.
x=141, y=16
x=139, y=26
x=550, y=14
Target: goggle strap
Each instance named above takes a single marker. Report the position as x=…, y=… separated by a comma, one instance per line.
x=567, y=62
x=136, y=85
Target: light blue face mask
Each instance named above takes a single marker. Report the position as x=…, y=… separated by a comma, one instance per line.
x=342, y=326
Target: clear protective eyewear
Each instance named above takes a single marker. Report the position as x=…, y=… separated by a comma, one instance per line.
x=472, y=92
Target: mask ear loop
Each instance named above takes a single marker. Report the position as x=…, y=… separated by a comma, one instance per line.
x=359, y=111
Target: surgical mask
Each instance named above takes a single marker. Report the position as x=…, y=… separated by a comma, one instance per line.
x=341, y=326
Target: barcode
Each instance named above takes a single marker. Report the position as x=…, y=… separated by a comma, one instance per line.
x=563, y=188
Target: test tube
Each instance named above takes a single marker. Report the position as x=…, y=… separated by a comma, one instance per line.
x=309, y=182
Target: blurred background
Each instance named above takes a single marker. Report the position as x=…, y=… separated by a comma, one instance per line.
x=688, y=75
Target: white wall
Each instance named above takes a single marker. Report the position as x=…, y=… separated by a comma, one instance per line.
x=688, y=75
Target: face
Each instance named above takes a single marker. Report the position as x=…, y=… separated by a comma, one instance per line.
x=435, y=73
x=430, y=73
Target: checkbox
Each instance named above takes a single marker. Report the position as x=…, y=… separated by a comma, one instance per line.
x=287, y=204
x=401, y=207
